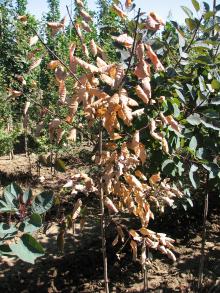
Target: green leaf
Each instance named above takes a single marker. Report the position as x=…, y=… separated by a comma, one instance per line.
x=201, y=153
x=204, y=60
x=209, y=124
x=168, y=167
x=7, y=229
x=208, y=15
x=215, y=101
x=190, y=23
x=213, y=169
x=215, y=84
x=202, y=84
x=217, y=7
x=206, y=6
x=59, y=165
x=43, y=202
x=189, y=201
x=32, y=224
x=187, y=11
x=193, y=143
x=194, y=119
x=180, y=95
x=196, y=5
x=27, y=248
x=193, y=176
x=11, y=194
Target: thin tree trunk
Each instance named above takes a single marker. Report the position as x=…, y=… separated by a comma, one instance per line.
x=202, y=259
x=214, y=11
x=102, y=218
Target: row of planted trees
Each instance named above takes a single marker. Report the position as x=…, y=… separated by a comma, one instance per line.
x=151, y=98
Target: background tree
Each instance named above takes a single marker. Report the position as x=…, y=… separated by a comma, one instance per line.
x=21, y=6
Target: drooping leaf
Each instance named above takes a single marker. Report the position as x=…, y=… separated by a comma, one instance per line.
x=193, y=176
x=194, y=119
x=196, y=5
x=43, y=202
x=32, y=224
x=215, y=84
x=27, y=248
x=59, y=165
x=193, y=143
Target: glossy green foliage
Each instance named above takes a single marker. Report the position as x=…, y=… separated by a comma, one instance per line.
x=25, y=212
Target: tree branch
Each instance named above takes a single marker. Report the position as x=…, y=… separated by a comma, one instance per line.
x=73, y=24
x=55, y=55
x=132, y=51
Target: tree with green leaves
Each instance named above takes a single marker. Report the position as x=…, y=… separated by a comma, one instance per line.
x=54, y=10
x=21, y=6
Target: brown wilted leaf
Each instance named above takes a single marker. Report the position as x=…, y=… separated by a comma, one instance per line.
x=100, y=62
x=72, y=48
x=134, y=249
x=135, y=235
x=62, y=91
x=141, y=94
x=162, y=249
x=170, y=254
x=26, y=107
x=110, y=205
x=56, y=26
x=22, y=18
x=154, y=59
x=152, y=22
x=35, y=64
x=146, y=86
x=85, y=15
x=172, y=122
x=157, y=18
x=138, y=112
x=60, y=74
x=115, y=136
x=119, y=76
x=115, y=241
x=124, y=39
x=33, y=41
x=140, y=51
x=78, y=30
x=53, y=64
x=142, y=69
x=107, y=79
x=72, y=135
x=93, y=48
x=80, y=3
x=155, y=178
x=77, y=209
x=15, y=93
x=85, y=50
x=165, y=145
x=87, y=66
x=21, y=79
x=139, y=174
x=86, y=27
x=133, y=181
x=128, y=3
x=119, y=12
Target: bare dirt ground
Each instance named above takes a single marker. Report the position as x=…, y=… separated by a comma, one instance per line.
x=79, y=269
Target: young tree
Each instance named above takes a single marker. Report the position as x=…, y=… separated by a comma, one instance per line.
x=21, y=6
x=54, y=10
